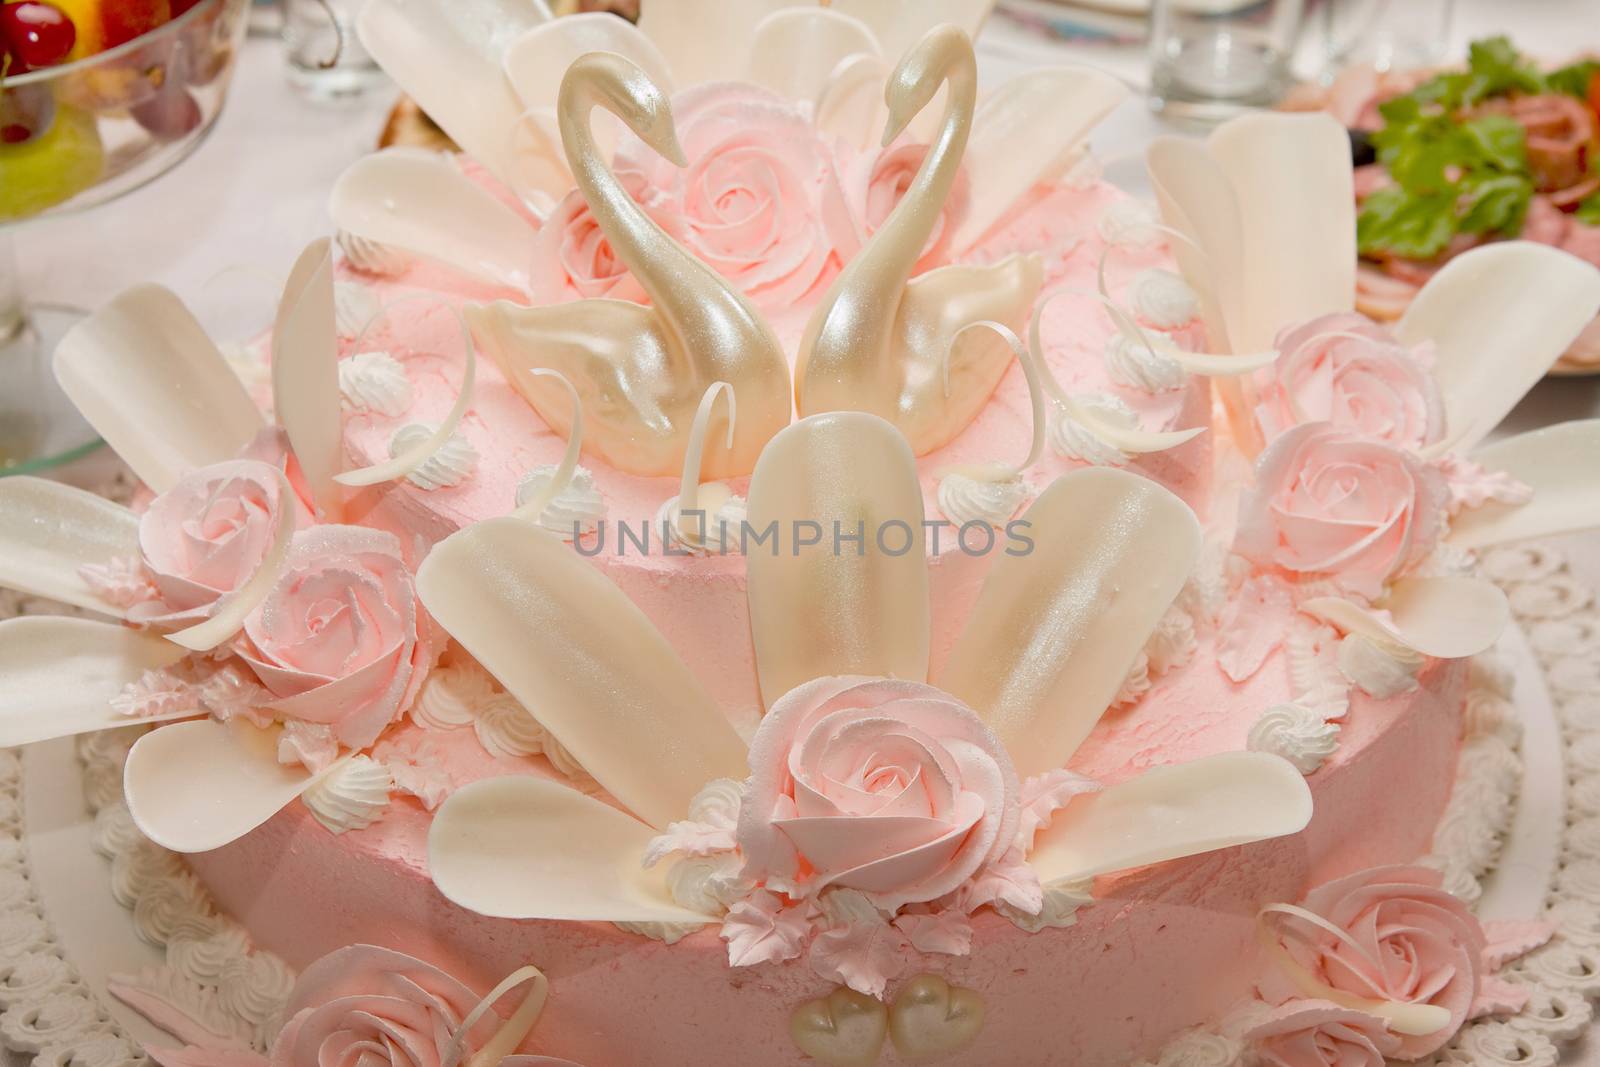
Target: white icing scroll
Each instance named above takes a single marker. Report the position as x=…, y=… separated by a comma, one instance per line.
x=1560, y=463
x=560, y=480
x=1056, y=629
x=49, y=532
x=144, y=374
x=528, y=848
x=562, y=638
x=414, y=455
x=690, y=490
x=62, y=675
x=1170, y=812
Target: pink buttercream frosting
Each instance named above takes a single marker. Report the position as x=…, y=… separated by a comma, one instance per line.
x=888, y=787
x=341, y=640
x=1347, y=370
x=1328, y=503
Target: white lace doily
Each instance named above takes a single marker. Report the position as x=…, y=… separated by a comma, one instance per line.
x=48, y=1011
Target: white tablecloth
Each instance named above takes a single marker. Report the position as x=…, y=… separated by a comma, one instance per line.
x=223, y=229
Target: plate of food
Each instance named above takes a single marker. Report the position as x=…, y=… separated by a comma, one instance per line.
x=1448, y=159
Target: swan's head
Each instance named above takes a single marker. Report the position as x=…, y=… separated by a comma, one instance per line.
x=618, y=85
x=943, y=51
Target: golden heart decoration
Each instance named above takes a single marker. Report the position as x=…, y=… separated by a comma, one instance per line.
x=930, y=1019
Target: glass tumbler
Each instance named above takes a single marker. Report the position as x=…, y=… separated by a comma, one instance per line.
x=1210, y=59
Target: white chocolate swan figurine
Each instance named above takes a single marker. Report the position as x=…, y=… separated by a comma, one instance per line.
x=879, y=340
x=641, y=371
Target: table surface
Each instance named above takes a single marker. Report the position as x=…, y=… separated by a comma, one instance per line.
x=223, y=229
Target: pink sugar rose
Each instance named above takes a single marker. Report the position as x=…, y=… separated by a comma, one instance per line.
x=891, y=788
x=878, y=183
x=1315, y=1033
x=1347, y=370
x=1330, y=504
x=572, y=259
x=203, y=538
x=1409, y=940
x=341, y=639
x=759, y=196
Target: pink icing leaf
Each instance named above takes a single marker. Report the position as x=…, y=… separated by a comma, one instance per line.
x=1511, y=939
x=1008, y=880
x=1045, y=794
x=1251, y=627
x=160, y=996
x=691, y=839
x=859, y=948
x=417, y=771
x=159, y=692
x=763, y=929
x=1472, y=485
x=122, y=582
x=948, y=932
x=1496, y=996
x=308, y=743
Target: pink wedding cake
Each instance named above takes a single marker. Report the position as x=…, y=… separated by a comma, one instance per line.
x=766, y=558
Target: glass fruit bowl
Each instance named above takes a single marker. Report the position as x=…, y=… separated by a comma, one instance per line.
x=75, y=136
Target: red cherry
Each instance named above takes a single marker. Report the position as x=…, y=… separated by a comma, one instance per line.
x=39, y=34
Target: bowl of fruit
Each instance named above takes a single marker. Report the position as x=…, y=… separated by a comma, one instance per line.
x=97, y=97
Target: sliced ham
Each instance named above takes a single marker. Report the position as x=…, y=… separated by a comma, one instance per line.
x=1583, y=241
x=1561, y=135
x=1545, y=222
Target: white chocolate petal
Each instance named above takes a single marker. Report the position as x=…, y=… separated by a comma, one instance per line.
x=793, y=52
x=536, y=62
x=62, y=674
x=563, y=639
x=1291, y=175
x=705, y=40
x=1164, y=814
x=1197, y=200
x=50, y=531
x=528, y=848
x=1560, y=463
x=815, y=611
x=196, y=786
x=447, y=55
x=1057, y=628
x=900, y=24
x=149, y=380
x=419, y=201
x=849, y=104
x=1487, y=356
x=1447, y=618
x=228, y=615
x=1024, y=132
x=305, y=375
